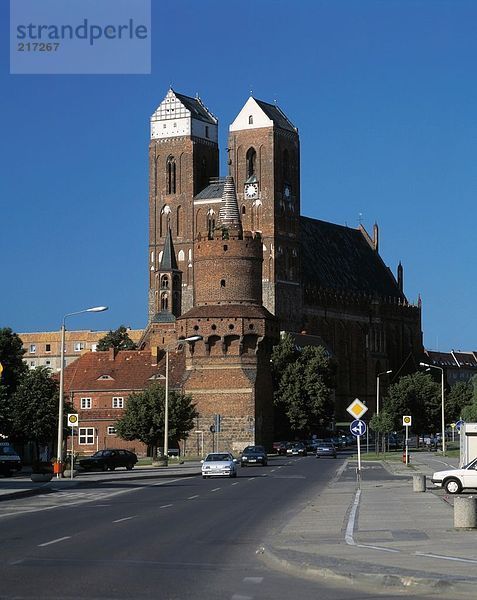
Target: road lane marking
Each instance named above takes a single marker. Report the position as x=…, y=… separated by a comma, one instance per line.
x=466, y=560
x=251, y=478
x=235, y=483
x=352, y=517
x=192, y=497
x=273, y=470
x=378, y=548
x=166, y=505
x=124, y=519
x=252, y=579
x=61, y=539
x=215, y=490
x=240, y=597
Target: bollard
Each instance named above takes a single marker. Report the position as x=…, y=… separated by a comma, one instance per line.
x=419, y=483
x=465, y=512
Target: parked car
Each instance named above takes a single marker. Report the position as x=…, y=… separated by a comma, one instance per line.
x=311, y=445
x=253, y=455
x=9, y=459
x=296, y=449
x=325, y=449
x=279, y=448
x=456, y=480
x=109, y=459
x=219, y=464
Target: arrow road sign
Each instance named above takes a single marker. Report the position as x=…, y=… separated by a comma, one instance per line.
x=358, y=427
x=459, y=425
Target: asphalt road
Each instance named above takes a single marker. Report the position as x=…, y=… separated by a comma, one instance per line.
x=165, y=539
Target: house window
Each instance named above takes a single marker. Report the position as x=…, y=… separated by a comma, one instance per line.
x=111, y=430
x=86, y=435
x=47, y=347
x=48, y=363
x=79, y=346
x=85, y=403
x=207, y=131
x=250, y=120
x=251, y=159
x=118, y=402
x=32, y=348
x=171, y=175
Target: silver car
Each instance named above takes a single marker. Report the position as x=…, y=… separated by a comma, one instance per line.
x=219, y=464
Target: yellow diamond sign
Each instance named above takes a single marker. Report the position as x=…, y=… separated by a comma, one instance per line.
x=357, y=409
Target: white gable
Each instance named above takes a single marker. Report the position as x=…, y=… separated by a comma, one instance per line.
x=250, y=117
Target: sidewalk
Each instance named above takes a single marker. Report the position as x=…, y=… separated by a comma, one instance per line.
x=22, y=486
x=383, y=536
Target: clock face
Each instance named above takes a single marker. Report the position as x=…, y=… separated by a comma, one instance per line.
x=251, y=190
x=287, y=191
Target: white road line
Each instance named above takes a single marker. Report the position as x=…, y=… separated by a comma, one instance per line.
x=252, y=579
x=235, y=483
x=192, y=497
x=251, y=478
x=453, y=558
x=273, y=470
x=240, y=597
x=352, y=517
x=378, y=548
x=124, y=519
x=67, y=537
x=166, y=505
x=215, y=490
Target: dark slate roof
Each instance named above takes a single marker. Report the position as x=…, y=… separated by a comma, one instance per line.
x=442, y=359
x=212, y=191
x=465, y=359
x=196, y=108
x=339, y=258
x=274, y=113
x=168, y=262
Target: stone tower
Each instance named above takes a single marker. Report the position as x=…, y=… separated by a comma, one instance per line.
x=183, y=156
x=228, y=371
x=265, y=163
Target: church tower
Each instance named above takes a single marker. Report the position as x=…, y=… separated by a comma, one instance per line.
x=183, y=157
x=264, y=151
x=228, y=370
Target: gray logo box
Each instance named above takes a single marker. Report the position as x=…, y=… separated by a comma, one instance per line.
x=82, y=37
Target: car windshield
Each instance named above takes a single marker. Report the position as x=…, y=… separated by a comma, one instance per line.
x=325, y=445
x=99, y=454
x=253, y=449
x=217, y=457
x=7, y=451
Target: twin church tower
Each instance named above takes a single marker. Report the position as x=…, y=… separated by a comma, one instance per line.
x=232, y=260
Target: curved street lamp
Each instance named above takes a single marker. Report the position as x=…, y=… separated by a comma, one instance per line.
x=59, y=450
x=443, y=421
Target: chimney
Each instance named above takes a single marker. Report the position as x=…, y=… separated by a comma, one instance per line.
x=112, y=353
x=376, y=237
x=400, y=277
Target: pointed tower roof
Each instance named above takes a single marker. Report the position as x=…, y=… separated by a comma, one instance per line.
x=229, y=214
x=168, y=262
x=257, y=113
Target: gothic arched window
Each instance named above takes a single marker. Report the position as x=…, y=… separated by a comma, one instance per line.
x=250, y=119
x=164, y=221
x=164, y=301
x=179, y=223
x=210, y=223
x=164, y=282
x=171, y=175
x=251, y=158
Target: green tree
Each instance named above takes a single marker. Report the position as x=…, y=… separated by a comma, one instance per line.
x=459, y=396
x=11, y=358
x=469, y=412
x=118, y=339
x=143, y=417
x=381, y=424
x=303, y=385
x=416, y=395
x=34, y=408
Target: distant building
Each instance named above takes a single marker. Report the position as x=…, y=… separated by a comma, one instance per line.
x=457, y=365
x=43, y=348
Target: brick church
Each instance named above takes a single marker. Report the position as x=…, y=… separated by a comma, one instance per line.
x=233, y=260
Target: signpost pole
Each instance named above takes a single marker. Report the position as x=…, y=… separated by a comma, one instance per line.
x=358, y=470
x=407, y=442
x=72, y=453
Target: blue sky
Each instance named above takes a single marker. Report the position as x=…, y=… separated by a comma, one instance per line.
x=384, y=94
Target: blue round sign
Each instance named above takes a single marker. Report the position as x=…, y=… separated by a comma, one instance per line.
x=459, y=424
x=358, y=428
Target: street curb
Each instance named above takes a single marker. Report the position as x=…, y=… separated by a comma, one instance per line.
x=387, y=582
x=49, y=487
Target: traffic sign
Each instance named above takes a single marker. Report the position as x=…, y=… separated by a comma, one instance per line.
x=459, y=425
x=357, y=409
x=358, y=427
x=407, y=420
x=73, y=420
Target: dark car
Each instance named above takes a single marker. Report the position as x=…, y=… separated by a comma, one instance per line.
x=325, y=449
x=279, y=448
x=253, y=455
x=9, y=460
x=109, y=459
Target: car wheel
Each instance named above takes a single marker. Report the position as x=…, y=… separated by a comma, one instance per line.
x=129, y=466
x=243, y=464
x=112, y=468
x=105, y=467
x=453, y=486
x=234, y=474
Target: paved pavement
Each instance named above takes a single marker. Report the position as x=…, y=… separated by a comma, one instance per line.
x=383, y=535
x=22, y=486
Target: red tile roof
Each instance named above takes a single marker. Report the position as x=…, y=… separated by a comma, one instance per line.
x=124, y=370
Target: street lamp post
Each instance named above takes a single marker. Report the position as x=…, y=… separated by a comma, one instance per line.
x=59, y=453
x=190, y=340
x=443, y=421
x=377, y=397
